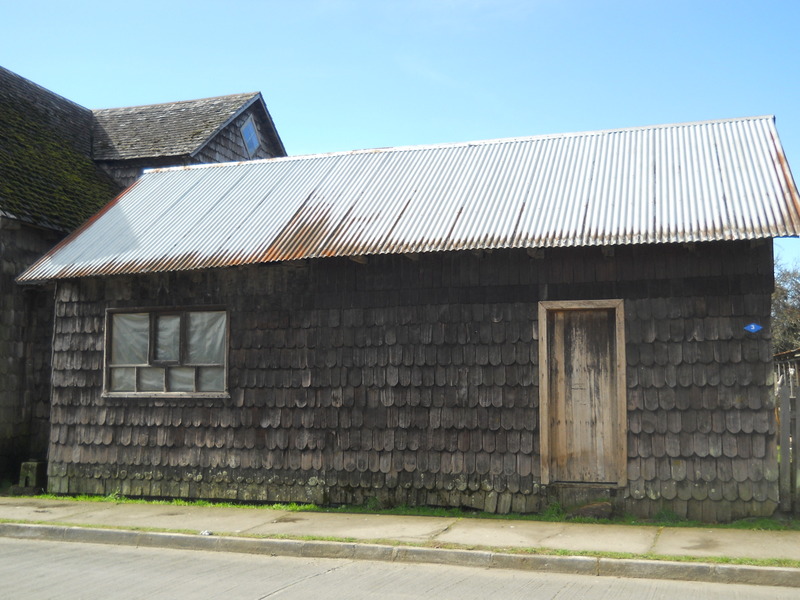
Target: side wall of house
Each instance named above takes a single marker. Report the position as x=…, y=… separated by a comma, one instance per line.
x=416, y=381
x=125, y=172
x=26, y=323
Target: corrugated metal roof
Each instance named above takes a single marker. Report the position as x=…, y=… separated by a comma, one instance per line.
x=692, y=182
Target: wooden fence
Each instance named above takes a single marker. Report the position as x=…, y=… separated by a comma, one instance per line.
x=787, y=382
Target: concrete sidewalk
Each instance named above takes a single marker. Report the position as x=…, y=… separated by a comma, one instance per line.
x=474, y=542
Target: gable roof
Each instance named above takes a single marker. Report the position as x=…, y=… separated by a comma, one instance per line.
x=49, y=145
x=693, y=182
x=46, y=175
x=170, y=129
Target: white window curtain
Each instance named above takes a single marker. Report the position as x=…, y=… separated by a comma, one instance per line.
x=185, y=355
x=131, y=333
x=206, y=338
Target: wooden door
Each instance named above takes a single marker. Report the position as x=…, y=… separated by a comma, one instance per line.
x=582, y=392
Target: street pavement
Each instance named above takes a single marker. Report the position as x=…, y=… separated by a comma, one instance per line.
x=445, y=540
x=41, y=570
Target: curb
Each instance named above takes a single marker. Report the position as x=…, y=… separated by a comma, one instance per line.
x=576, y=565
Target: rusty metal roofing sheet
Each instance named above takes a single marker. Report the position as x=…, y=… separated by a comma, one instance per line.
x=692, y=182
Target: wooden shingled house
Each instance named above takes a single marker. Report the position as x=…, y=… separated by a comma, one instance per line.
x=59, y=164
x=210, y=130
x=48, y=186
x=496, y=325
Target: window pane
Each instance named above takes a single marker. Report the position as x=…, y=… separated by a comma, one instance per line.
x=211, y=379
x=151, y=379
x=123, y=379
x=250, y=136
x=168, y=337
x=206, y=338
x=181, y=379
x=129, y=336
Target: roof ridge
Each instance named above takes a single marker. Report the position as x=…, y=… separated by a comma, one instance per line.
x=464, y=144
x=156, y=104
x=652, y=185
x=43, y=89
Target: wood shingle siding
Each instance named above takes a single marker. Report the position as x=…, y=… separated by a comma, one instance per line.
x=416, y=381
x=59, y=164
x=26, y=322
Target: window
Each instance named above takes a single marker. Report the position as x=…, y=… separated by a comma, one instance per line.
x=250, y=136
x=163, y=352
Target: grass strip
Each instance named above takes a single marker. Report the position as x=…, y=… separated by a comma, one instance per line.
x=553, y=514
x=537, y=551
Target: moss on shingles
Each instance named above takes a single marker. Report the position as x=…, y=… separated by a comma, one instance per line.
x=43, y=179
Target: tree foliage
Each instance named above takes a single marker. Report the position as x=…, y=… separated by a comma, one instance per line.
x=786, y=309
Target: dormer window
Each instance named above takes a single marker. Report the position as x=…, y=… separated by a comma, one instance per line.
x=250, y=136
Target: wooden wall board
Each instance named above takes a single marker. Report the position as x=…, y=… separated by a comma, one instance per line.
x=418, y=380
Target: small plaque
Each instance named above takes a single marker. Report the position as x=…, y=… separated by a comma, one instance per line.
x=753, y=328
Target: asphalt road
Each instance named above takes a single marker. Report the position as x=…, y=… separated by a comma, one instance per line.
x=43, y=570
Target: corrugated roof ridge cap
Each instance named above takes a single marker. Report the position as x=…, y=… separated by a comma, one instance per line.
x=544, y=136
x=445, y=145
x=527, y=138
x=244, y=163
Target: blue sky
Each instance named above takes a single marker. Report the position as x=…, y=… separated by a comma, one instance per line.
x=348, y=74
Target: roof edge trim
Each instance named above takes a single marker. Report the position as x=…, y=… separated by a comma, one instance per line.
x=435, y=146
x=227, y=122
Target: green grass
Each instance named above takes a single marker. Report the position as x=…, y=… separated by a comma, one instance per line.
x=553, y=514
x=119, y=499
x=531, y=551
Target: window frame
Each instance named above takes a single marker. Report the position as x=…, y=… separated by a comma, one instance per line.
x=251, y=122
x=153, y=313
x=617, y=452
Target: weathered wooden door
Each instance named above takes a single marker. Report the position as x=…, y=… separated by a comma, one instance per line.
x=582, y=392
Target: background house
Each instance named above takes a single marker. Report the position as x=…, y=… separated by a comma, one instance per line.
x=212, y=130
x=494, y=324
x=59, y=164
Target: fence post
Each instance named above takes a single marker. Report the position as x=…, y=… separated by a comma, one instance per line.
x=785, y=472
x=795, y=459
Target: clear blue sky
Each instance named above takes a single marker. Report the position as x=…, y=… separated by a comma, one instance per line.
x=348, y=74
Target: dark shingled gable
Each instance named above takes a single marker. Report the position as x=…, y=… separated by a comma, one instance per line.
x=46, y=175
x=170, y=129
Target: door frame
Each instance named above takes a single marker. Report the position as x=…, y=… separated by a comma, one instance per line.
x=619, y=404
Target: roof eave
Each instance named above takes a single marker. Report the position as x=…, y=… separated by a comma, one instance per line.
x=257, y=98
